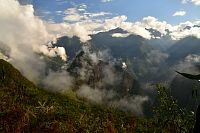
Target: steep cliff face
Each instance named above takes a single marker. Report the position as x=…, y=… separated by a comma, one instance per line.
x=96, y=69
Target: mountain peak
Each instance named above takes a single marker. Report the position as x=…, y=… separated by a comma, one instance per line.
x=117, y=30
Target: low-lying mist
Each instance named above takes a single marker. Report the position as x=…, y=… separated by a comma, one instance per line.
x=29, y=43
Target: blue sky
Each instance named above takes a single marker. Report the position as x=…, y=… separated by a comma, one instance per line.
x=135, y=10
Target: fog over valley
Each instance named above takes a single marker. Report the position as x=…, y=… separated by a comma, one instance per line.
x=129, y=61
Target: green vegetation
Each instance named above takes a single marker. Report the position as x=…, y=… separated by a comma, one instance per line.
x=27, y=108
x=168, y=117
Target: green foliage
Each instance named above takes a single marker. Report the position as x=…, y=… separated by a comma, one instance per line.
x=168, y=117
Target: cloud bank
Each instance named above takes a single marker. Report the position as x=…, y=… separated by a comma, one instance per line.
x=79, y=22
x=26, y=36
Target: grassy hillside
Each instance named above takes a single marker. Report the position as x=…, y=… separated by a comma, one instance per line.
x=26, y=108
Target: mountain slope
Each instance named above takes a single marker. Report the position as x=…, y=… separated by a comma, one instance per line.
x=122, y=47
x=26, y=108
x=183, y=48
x=91, y=67
x=142, y=55
x=11, y=77
x=131, y=46
x=71, y=45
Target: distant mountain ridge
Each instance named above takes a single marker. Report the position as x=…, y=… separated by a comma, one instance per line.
x=183, y=48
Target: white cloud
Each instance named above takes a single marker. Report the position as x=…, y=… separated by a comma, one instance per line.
x=117, y=35
x=73, y=15
x=78, y=23
x=89, y=23
x=120, y=22
x=83, y=24
x=139, y=27
x=23, y=33
x=70, y=11
x=179, y=13
x=81, y=9
x=80, y=14
x=114, y=22
x=59, y=12
x=152, y=22
x=179, y=34
x=4, y=57
x=89, y=26
x=180, y=31
x=136, y=29
x=196, y=2
x=53, y=52
x=92, y=26
x=104, y=1
x=79, y=29
x=98, y=14
x=192, y=58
